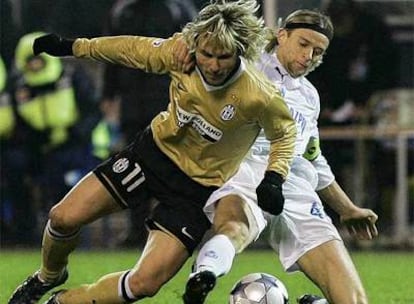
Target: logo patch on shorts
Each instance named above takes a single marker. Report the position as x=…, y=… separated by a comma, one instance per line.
x=120, y=165
x=186, y=233
x=316, y=210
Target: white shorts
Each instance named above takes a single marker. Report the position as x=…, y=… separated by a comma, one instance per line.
x=244, y=185
x=303, y=224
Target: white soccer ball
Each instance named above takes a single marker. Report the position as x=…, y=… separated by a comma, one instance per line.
x=259, y=288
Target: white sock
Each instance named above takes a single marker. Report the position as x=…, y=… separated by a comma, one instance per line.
x=216, y=255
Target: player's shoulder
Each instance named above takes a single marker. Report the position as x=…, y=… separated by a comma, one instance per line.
x=309, y=86
x=265, y=58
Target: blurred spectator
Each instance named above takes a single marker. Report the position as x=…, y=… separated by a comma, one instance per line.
x=141, y=95
x=106, y=140
x=13, y=194
x=106, y=135
x=56, y=111
x=18, y=211
x=361, y=60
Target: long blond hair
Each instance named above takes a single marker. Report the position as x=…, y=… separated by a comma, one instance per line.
x=232, y=24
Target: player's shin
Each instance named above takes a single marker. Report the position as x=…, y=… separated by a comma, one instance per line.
x=56, y=248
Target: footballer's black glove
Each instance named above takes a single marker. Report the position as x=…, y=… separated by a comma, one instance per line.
x=269, y=193
x=53, y=45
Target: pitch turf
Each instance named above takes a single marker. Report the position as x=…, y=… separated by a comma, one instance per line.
x=388, y=276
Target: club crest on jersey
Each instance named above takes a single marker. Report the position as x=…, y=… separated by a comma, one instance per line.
x=120, y=165
x=157, y=42
x=228, y=112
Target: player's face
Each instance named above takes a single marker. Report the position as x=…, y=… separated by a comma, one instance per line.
x=301, y=50
x=214, y=62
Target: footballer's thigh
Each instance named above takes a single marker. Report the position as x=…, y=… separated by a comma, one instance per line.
x=331, y=268
x=233, y=208
x=86, y=202
x=234, y=218
x=229, y=211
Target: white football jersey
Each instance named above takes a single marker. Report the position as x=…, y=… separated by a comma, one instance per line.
x=303, y=102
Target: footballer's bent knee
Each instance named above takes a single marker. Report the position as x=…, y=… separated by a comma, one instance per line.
x=236, y=231
x=60, y=221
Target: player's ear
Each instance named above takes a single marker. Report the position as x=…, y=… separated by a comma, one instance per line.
x=282, y=35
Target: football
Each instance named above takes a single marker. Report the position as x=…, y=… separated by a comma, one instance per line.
x=259, y=288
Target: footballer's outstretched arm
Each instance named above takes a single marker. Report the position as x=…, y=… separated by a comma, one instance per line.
x=154, y=55
x=360, y=222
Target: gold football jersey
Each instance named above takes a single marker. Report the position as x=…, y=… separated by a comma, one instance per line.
x=206, y=130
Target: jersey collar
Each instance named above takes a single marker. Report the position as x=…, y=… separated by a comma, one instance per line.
x=233, y=78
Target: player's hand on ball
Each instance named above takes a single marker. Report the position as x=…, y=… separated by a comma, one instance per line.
x=269, y=193
x=360, y=223
x=53, y=45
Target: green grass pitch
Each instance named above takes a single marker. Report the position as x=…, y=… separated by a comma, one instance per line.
x=387, y=276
